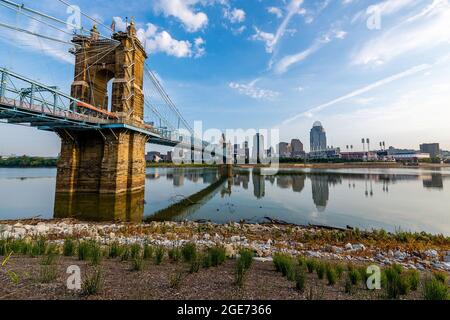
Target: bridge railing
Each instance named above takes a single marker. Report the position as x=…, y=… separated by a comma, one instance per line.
x=31, y=97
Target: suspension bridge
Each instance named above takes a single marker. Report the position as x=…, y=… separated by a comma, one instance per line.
x=116, y=106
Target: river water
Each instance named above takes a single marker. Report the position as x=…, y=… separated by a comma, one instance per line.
x=407, y=199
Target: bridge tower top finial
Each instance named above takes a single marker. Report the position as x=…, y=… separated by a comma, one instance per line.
x=132, y=27
x=94, y=33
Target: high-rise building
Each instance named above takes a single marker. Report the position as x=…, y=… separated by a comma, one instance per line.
x=432, y=149
x=258, y=148
x=283, y=150
x=318, y=137
x=297, y=148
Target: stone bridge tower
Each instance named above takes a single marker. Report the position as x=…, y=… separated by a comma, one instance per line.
x=110, y=160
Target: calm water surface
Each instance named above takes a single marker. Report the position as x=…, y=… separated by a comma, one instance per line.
x=410, y=199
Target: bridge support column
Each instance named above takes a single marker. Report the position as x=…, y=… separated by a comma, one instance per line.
x=108, y=162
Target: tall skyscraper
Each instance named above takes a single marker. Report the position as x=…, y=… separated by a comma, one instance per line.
x=258, y=148
x=318, y=137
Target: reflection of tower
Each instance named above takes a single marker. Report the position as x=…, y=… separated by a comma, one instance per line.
x=298, y=183
x=258, y=185
x=435, y=182
x=284, y=182
x=178, y=179
x=320, y=191
x=245, y=179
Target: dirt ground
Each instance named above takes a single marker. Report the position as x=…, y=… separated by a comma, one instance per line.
x=153, y=283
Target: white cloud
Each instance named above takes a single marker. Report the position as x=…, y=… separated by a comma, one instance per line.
x=264, y=36
x=161, y=41
x=251, y=90
x=409, y=72
x=235, y=15
x=390, y=7
x=384, y=8
x=184, y=11
x=424, y=31
x=271, y=40
x=199, y=47
x=276, y=11
x=287, y=61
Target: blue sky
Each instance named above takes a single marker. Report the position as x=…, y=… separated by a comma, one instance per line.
x=377, y=69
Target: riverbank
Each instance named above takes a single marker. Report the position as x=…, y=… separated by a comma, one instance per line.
x=29, y=273
x=412, y=250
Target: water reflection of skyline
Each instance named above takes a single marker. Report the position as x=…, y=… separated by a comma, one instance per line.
x=320, y=182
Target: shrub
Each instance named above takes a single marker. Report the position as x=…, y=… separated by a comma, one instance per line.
x=48, y=259
x=51, y=249
x=246, y=256
x=137, y=263
x=354, y=277
x=69, y=247
x=218, y=255
x=189, y=252
x=115, y=250
x=84, y=250
x=48, y=273
x=440, y=276
x=148, y=251
x=331, y=275
x=38, y=248
x=339, y=270
x=320, y=270
x=126, y=254
x=159, y=254
x=176, y=279
x=195, y=265
x=135, y=250
x=286, y=265
x=434, y=289
x=396, y=283
x=174, y=254
x=93, y=283
x=206, y=260
x=348, y=288
x=311, y=264
x=300, y=279
x=95, y=254
x=239, y=272
x=413, y=278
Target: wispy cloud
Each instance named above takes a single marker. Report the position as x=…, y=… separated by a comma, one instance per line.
x=272, y=39
x=287, y=61
x=409, y=72
x=423, y=31
x=251, y=90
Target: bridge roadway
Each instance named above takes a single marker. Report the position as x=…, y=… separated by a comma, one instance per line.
x=62, y=111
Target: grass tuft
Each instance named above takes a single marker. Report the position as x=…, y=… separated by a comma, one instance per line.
x=159, y=254
x=68, y=247
x=93, y=283
x=434, y=289
x=189, y=252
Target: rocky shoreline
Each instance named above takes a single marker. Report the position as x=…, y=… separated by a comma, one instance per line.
x=419, y=251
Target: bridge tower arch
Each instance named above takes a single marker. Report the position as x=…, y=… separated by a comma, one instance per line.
x=110, y=160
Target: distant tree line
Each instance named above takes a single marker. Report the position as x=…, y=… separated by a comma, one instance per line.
x=26, y=161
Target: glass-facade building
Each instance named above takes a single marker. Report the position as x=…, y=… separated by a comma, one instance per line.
x=318, y=137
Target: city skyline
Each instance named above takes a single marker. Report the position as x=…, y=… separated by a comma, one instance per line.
x=275, y=64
